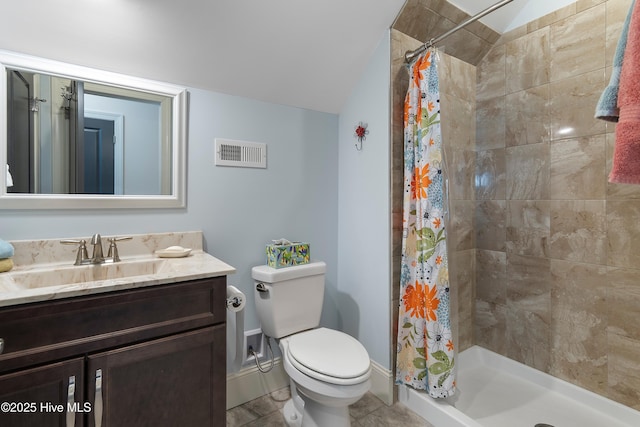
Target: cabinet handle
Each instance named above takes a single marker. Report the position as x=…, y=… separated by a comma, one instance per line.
x=97, y=407
x=71, y=392
x=1, y=345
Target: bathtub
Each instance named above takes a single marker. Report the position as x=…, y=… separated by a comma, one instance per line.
x=494, y=391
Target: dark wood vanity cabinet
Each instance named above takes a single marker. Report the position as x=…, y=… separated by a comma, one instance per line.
x=152, y=356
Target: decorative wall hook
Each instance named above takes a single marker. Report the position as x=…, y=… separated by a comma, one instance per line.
x=361, y=133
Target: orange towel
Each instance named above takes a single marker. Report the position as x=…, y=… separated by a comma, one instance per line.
x=626, y=154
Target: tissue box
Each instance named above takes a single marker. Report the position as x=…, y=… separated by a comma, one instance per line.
x=279, y=256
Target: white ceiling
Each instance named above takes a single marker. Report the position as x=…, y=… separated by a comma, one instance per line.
x=302, y=53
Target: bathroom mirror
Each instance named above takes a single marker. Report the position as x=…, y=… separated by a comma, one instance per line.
x=76, y=137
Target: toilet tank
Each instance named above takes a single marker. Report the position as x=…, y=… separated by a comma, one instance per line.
x=289, y=300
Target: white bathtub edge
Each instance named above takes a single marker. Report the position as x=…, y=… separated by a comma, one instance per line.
x=476, y=356
x=441, y=413
x=438, y=412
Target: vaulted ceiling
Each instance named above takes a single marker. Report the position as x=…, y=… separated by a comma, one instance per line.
x=293, y=52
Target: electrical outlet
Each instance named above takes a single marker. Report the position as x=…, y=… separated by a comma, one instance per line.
x=253, y=342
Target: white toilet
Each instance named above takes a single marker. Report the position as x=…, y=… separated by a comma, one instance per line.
x=329, y=370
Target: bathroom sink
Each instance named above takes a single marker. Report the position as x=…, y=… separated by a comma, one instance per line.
x=69, y=275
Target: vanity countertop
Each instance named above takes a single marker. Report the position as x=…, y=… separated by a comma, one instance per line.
x=36, y=281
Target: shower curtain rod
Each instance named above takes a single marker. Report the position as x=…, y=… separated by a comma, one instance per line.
x=410, y=55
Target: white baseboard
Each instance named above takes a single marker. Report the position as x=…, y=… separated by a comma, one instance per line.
x=249, y=383
x=382, y=383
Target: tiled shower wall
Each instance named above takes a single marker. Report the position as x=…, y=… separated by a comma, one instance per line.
x=558, y=247
x=544, y=248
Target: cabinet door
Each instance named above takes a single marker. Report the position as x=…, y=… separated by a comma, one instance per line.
x=179, y=380
x=46, y=396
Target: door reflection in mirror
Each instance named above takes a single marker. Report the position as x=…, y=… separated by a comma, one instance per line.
x=72, y=137
x=20, y=154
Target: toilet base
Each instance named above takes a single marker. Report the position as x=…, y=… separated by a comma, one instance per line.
x=292, y=417
x=311, y=414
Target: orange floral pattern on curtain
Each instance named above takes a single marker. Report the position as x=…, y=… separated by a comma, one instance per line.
x=425, y=358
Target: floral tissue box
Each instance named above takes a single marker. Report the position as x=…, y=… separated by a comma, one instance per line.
x=283, y=253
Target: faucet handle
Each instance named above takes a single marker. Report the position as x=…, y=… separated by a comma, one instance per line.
x=82, y=254
x=113, y=248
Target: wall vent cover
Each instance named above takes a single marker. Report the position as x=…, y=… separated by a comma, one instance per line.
x=241, y=154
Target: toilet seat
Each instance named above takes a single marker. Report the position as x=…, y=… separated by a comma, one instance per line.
x=330, y=356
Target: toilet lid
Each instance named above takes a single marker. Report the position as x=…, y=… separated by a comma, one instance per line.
x=328, y=352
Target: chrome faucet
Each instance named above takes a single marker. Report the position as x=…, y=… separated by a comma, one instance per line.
x=97, y=255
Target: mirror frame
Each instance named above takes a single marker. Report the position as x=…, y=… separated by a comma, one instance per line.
x=179, y=96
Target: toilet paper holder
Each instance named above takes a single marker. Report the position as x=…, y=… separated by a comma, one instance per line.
x=234, y=301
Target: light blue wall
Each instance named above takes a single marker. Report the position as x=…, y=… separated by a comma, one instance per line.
x=364, y=232
x=239, y=209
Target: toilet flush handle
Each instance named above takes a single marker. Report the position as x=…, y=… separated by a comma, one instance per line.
x=260, y=287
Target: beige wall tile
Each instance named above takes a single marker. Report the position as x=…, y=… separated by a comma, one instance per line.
x=529, y=284
x=528, y=61
x=417, y=20
x=528, y=336
x=446, y=9
x=460, y=165
x=511, y=35
x=577, y=168
x=623, y=298
x=400, y=43
x=490, y=174
x=465, y=45
x=624, y=370
x=529, y=310
x=490, y=326
x=491, y=276
x=527, y=116
x=528, y=172
x=461, y=235
x=579, y=324
x=579, y=231
x=491, y=223
x=491, y=74
x=552, y=17
x=455, y=115
x=461, y=269
x=586, y=4
x=577, y=44
x=572, y=104
x=458, y=79
x=528, y=227
x=623, y=233
x=490, y=123
x=428, y=19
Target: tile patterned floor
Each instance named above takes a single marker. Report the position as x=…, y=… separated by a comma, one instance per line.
x=368, y=412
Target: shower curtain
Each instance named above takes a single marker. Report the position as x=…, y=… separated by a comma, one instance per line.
x=425, y=359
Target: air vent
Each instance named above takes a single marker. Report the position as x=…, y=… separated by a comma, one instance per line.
x=241, y=153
